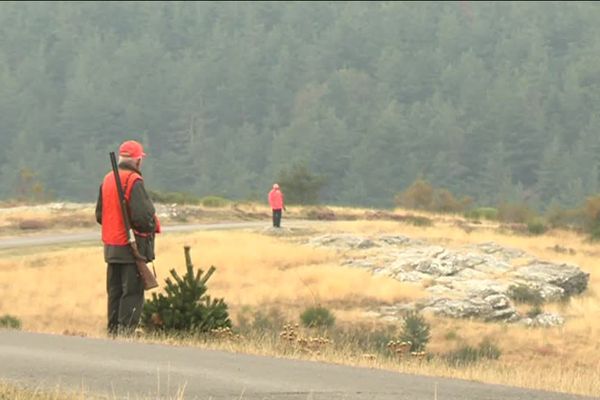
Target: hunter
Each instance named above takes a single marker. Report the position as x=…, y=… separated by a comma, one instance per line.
x=124, y=286
x=276, y=203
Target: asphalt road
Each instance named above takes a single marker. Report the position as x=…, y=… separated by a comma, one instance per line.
x=91, y=236
x=120, y=369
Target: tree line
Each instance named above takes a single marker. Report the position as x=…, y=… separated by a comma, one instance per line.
x=498, y=101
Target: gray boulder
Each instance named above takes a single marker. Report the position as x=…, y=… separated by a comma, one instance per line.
x=470, y=282
x=411, y=276
x=366, y=244
x=342, y=241
x=544, y=320
x=498, y=301
x=441, y=291
x=367, y=263
x=411, y=257
x=500, y=251
x=395, y=240
x=547, y=291
x=438, y=267
x=468, y=273
x=567, y=277
x=474, y=287
x=489, y=309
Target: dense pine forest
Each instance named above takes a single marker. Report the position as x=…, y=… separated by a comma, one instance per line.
x=499, y=101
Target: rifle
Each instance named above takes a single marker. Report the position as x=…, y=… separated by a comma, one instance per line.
x=148, y=279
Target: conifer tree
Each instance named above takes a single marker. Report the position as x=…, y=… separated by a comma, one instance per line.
x=186, y=306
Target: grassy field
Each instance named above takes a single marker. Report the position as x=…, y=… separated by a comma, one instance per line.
x=69, y=289
x=10, y=391
x=62, y=290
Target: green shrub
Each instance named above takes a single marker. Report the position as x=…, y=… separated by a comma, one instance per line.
x=446, y=202
x=415, y=330
x=488, y=350
x=488, y=213
x=214, y=201
x=29, y=188
x=537, y=226
x=173, y=197
x=300, y=185
x=378, y=340
x=515, y=212
x=535, y=311
x=10, y=322
x=451, y=335
x=422, y=195
x=317, y=317
x=591, y=213
x=320, y=214
x=365, y=337
x=560, y=218
x=33, y=224
x=264, y=321
x=185, y=306
x=271, y=320
x=242, y=318
x=419, y=221
x=467, y=354
x=419, y=195
x=464, y=355
x=524, y=294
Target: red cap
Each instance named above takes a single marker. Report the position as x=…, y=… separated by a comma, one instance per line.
x=131, y=149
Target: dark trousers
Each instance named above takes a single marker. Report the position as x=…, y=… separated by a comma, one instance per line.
x=277, y=218
x=125, y=298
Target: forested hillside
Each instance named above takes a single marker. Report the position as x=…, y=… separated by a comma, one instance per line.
x=493, y=100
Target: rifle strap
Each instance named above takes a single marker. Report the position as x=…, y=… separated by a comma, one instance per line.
x=126, y=184
x=127, y=200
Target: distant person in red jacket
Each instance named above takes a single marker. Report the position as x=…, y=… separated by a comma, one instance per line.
x=276, y=203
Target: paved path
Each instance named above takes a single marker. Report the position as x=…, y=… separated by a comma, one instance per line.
x=54, y=239
x=120, y=369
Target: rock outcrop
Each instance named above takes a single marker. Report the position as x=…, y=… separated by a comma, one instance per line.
x=471, y=282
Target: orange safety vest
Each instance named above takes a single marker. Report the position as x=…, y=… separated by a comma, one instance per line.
x=113, y=228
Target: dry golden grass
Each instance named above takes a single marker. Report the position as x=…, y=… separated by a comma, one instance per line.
x=64, y=289
x=12, y=392
x=266, y=270
x=22, y=219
